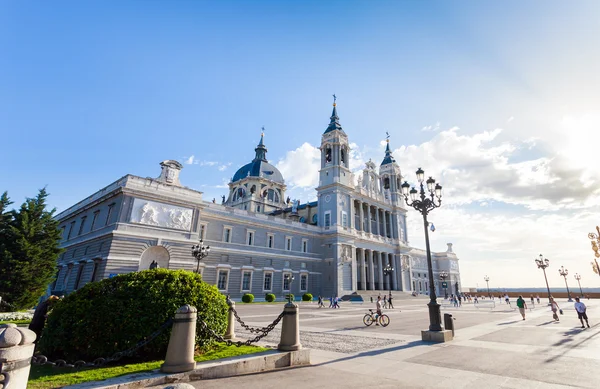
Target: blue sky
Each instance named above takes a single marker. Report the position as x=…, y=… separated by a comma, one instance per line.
x=498, y=99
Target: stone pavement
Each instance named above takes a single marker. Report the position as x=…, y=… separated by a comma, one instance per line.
x=493, y=348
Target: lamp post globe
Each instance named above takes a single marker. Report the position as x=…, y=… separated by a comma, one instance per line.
x=487, y=281
x=289, y=279
x=564, y=272
x=578, y=278
x=200, y=251
x=543, y=263
x=425, y=200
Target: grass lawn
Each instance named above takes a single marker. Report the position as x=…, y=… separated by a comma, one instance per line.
x=15, y=321
x=46, y=377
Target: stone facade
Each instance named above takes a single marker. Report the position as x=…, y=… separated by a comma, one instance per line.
x=334, y=246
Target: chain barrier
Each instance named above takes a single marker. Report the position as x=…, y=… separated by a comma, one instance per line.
x=247, y=327
x=263, y=332
x=6, y=303
x=98, y=362
x=5, y=378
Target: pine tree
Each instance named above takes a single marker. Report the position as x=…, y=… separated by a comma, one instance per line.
x=29, y=249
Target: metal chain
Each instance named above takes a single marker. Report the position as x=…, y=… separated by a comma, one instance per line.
x=239, y=343
x=43, y=360
x=6, y=303
x=245, y=326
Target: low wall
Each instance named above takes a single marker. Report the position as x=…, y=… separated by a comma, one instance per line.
x=527, y=295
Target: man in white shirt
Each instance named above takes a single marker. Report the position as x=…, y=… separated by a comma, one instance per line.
x=378, y=308
x=581, y=308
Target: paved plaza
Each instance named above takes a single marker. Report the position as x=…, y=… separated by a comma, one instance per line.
x=493, y=348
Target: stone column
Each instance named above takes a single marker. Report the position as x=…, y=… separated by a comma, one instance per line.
x=397, y=270
x=361, y=215
x=380, y=271
x=180, y=351
x=378, y=232
x=367, y=217
x=16, y=347
x=290, y=329
x=371, y=269
x=363, y=270
x=354, y=270
x=351, y=221
x=386, y=279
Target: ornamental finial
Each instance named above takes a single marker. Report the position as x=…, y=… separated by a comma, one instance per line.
x=262, y=133
x=387, y=138
x=334, y=99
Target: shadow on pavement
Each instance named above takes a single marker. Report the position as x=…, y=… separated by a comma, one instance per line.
x=373, y=353
x=548, y=322
x=509, y=322
x=570, y=339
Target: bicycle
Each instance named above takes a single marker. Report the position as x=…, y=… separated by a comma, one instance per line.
x=370, y=318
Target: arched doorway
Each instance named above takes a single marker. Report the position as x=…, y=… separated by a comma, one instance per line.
x=154, y=253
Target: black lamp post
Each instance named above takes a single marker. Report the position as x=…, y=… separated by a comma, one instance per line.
x=200, y=251
x=543, y=263
x=387, y=271
x=426, y=202
x=578, y=278
x=289, y=278
x=564, y=272
x=443, y=276
x=487, y=281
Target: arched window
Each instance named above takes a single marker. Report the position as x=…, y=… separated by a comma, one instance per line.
x=239, y=194
x=327, y=153
x=343, y=156
x=386, y=183
x=253, y=189
x=271, y=195
x=234, y=194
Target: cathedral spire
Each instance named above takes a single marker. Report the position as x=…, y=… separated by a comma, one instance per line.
x=389, y=158
x=261, y=150
x=334, y=120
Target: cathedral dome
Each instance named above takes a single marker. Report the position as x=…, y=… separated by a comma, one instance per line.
x=259, y=167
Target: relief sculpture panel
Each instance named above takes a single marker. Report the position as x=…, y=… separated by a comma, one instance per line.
x=161, y=215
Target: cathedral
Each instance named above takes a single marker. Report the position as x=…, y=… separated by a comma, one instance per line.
x=260, y=241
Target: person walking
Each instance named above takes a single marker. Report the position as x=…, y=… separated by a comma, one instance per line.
x=371, y=298
x=321, y=305
x=522, y=305
x=531, y=299
x=507, y=299
x=336, y=302
x=459, y=300
x=581, y=312
x=554, y=307
x=385, y=301
x=390, y=305
x=537, y=297
x=331, y=302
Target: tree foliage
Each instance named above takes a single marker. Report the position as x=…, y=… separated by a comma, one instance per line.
x=29, y=249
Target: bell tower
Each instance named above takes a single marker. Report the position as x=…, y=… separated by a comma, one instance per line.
x=335, y=164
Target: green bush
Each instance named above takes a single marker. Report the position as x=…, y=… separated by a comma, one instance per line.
x=114, y=314
x=289, y=297
x=307, y=297
x=269, y=297
x=248, y=298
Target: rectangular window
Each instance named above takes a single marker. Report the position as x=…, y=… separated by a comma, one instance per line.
x=79, y=273
x=109, y=214
x=227, y=235
x=222, y=281
x=63, y=232
x=268, y=282
x=344, y=219
x=270, y=241
x=81, y=225
x=95, y=271
x=288, y=244
x=250, y=238
x=287, y=279
x=327, y=219
x=304, y=246
x=70, y=230
x=67, y=276
x=303, y=282
x=94, y=220
x=246, y=280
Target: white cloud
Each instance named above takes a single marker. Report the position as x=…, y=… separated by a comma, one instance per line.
x=300, y=167
x=189, y=160
x=434, y=127
x=510, y=119
x=224, y=166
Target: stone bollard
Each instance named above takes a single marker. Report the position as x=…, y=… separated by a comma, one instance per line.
x=290, y=329
x=230, y=333
x=180, y=352
x=16, y=349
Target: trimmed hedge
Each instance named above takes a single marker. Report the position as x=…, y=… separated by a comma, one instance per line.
x=248, y=298
x=269, y=297
x=307, y=297
x=114, y=314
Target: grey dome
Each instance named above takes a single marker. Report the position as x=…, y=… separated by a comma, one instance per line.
x=259, y=167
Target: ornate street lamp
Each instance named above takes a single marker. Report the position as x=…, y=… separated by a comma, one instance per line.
x=595, y=243
x=578, y=278
x=424, y=202
x=487, y=281
x=564, y=272
x=387, y=271
x=289, y=278
x=200, y=251
x=443, y=276
x=543, y=263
